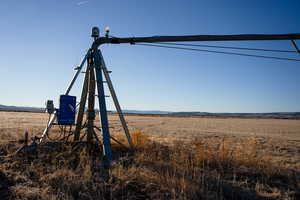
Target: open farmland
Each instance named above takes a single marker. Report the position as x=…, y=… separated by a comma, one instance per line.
x=279, y=136
x=263, y=152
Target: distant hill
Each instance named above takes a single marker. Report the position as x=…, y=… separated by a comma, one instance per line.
x=145, y=112
x=280, y=115
x=20, y=108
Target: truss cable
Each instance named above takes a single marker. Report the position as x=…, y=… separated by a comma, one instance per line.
x=296, y=47
x=228, y=47
x=220, y=52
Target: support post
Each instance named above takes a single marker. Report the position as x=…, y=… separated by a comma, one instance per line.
x=102, y=105
x=81, y=107
x=91, y=102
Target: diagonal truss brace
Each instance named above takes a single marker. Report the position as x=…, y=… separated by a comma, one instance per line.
x=53, y=117
x=116, y=102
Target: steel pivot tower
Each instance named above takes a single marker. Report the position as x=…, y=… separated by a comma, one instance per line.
x=93, y=77
x=95, y=73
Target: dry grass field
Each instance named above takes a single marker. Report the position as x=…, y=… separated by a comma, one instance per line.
x=175, y=158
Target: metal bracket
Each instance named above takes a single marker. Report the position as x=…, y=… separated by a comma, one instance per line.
x=96, y=95
x=296, y=47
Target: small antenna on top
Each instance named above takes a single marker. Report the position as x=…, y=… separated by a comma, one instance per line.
x=107, y=29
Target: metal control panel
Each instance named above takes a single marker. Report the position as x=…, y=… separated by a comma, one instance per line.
x=67, y=110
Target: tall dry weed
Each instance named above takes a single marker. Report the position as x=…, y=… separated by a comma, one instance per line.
x=206, y=168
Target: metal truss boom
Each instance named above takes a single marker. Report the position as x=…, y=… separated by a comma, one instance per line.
x=194, y=38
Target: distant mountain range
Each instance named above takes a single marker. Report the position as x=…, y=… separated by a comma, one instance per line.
x=281, y=115
x=21, y=108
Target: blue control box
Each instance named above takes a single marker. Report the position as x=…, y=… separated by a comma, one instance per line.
x=67, y=110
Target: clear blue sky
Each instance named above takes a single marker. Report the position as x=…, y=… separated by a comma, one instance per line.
x=41, y=41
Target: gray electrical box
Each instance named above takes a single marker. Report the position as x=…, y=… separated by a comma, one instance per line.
x=49, y=106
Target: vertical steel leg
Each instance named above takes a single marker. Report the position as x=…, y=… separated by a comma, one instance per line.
x=116, y=102
x=102, y=106
x=82, y=106
x=91, y=102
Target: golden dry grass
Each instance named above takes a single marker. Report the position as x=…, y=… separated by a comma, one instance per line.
x=196, y=158
x=279, y=136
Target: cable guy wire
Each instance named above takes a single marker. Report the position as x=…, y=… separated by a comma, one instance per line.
x=220, y=52
x=229, y=47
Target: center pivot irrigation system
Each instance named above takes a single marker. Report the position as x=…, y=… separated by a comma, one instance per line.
x=96, y=68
